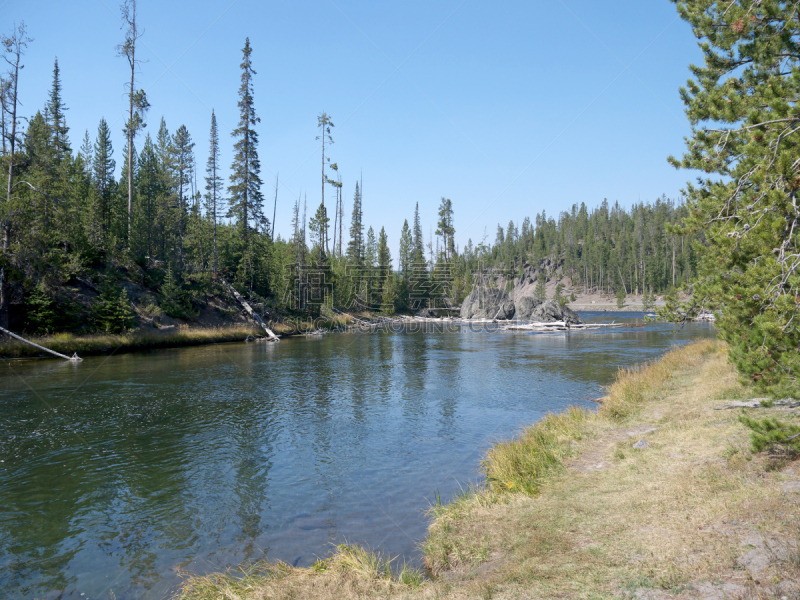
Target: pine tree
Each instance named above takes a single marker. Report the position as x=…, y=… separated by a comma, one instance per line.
x=104, y=182
x=384, y=255
x=150, y=194
x=539, y=291
x=86, y=152
x=111, y=311
x=58, y=125
x=406, y=249
x=742, y=106
x=246, y=199
x=183, y=163
x=445, y=228
x=371, y=249
x=214, y=200
x=355, y=248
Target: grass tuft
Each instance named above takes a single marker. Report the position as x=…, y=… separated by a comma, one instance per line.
x=522, y=464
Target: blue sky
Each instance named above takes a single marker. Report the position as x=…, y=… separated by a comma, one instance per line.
x=506, y=108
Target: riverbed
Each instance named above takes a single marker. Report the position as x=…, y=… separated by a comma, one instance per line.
x=121, y=472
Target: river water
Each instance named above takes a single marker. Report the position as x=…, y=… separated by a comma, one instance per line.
x=121, y=472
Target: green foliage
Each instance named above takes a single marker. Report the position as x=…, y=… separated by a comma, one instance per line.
x=173, y=298
x=41, y=314
x=742, y=106
x=557, y=294
x=111, y=311
x=620, y=297
x=769, y=432
x=540, y=292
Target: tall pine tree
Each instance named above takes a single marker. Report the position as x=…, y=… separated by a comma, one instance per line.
x=246, y=199
x=214, y=200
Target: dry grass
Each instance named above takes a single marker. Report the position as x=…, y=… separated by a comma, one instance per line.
x=350, y=572
x=572, y=510
x=689, y=514
x=67, y=343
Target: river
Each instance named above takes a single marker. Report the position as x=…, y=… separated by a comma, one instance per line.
x=120, y=472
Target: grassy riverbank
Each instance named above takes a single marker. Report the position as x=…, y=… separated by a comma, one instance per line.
x=85, y=345
x=572, y=510
x=149, y=339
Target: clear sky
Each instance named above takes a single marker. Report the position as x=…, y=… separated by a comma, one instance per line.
x=507, y=108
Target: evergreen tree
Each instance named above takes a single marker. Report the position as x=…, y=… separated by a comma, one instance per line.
x=111, y=311
x=445, y=228
x=104, y=182
x=384, y=255
x=149, y=197
x=183, y=164
x=371, y=249
x=539, y=291
x=214, y=200
x=86, y=152
x=56, y=108
x=355, y=248
x=742, y=106
x=318, y=225
x=406, y=249
x=246, y=199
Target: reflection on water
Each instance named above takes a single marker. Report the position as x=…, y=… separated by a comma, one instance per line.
x=121, y=471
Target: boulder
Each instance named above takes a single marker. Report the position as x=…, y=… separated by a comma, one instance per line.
x=525, y=306
x=487, y=303
x=531, y=309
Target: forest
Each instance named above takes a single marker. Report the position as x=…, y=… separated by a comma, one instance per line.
x=70, y=217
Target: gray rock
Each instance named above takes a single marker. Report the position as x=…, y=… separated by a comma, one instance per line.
x=487, y=303
x=641, y=445
x=531, y=309
x=525, y=306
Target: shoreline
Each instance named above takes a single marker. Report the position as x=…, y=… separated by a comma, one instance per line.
x=143, y=340
x=655, y=495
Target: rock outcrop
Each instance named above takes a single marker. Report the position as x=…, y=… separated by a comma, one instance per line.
x=487, y=303
x=531, y=309
x=525, y=306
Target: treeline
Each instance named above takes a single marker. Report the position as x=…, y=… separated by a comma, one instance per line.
x=173, y=228
x=600, y=250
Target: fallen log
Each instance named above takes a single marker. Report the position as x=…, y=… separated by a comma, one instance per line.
x=272, y=337
x=73, y=358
